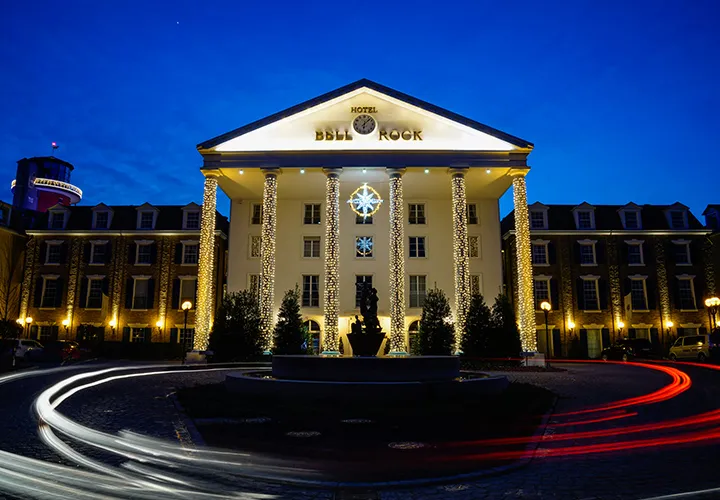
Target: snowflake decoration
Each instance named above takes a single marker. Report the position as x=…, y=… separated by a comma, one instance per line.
x=365, y=201
x=364, y=245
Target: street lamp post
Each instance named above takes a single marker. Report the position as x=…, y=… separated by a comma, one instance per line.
x=186, y=306
x=712, y=304
x=159, y=325
x=621, y=325
x=28, y=324
x=66, y=324
x=546, y=307
x=112, y=324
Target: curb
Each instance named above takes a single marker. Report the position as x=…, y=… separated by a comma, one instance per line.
x=196, y=438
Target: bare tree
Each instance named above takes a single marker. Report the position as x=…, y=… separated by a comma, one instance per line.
x=12, y=247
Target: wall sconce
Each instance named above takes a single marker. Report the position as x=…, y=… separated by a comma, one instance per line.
x=621, y=325
x=66, y=324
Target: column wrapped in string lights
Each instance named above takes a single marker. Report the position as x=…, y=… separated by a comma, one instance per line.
x=460, y=252
x=204, y=308
x=397, y=263
x=267, y=257
x=526, y=301
x=332, y=255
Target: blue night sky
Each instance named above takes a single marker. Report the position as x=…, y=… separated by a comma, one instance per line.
x=619, y=98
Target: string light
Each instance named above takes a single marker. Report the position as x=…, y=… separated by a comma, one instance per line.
x=204, y=305
x=662, y=282
x=267, y=257
x=332, y=233
x=165, y=259
x=119, y=255
x=365, y=201
x=73, y=273
x=31, y=257
x=397, y=263
x=526, y=301
x=460, y=253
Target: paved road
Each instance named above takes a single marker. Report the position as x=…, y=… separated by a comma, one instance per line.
x=628, y=474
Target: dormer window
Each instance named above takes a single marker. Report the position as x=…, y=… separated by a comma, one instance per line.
x=192, y=220
x=678, y=219
x=101, y=220
x=631, y=219
x=146, y=220
x=585, y=220
x=57, y=220
x=538, y=219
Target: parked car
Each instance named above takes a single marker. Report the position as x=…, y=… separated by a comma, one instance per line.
x=628, y=349
x=22, y=347
x=57, y=350
x=695, y=347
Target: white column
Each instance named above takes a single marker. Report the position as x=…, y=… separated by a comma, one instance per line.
x=204, y=308
x=460, y=252
x=397, y=263
x=526, y=307
x=331, y=291
x=267, y=257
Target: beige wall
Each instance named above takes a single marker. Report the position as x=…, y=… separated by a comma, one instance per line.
x=437, y=266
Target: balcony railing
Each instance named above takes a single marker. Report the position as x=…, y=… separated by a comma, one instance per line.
x=54, y=184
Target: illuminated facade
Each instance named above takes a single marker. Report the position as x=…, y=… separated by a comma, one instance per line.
x=366, y=185
x=119, y=273
x=612, y=271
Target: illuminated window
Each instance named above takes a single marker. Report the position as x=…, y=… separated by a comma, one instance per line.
x=359, y=219
x=413, y=331
x=186, y=337
x=417, y=246
x=312, y=213
x=311, y=247
x=417, y=291
x=140, y=297
x=313, y=329
x=416, y=213
x=472, y=214
x=362, y=282
x=364, y=246
x=188, y=286
x=311, y=291
x=137, y=334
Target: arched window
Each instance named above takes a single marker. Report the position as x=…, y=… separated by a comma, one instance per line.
x=314, y=331
x=413, y=330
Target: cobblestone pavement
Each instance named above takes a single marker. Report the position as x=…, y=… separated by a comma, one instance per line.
x=143, y=405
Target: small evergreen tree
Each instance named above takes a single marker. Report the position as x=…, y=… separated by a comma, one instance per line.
x=478, y=328
x=505, y=338
x=10, y=329
x=290, y=333
x=236, y=332
x=436, y=335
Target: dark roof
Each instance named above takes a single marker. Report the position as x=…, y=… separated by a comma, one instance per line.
x=41, y=159
x=374, y=86
x=709, y=208
x=607, y=217
x=170, y=217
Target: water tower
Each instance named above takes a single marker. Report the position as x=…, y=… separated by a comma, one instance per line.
x=42, y=182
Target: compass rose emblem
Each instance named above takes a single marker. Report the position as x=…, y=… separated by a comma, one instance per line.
x=365, y=201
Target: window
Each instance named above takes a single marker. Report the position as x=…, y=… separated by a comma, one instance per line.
x=256, y=214
x=638, y=294
x=677, y=219
x=57, y=220
x=476, y=287
x=187, y=291
x=190, y=253
x=364, y=246
x=635, y=253
x=101, y=220
x=254, y=284
x=147, y=220
x=45, y=333
x=144, y=254
x=587, y=254
x=632, y=220
x=590, y=295
x=361, y=281
x=417, y=246
x=474, y=247
x=417, y=291
x=417, y=213
x=311, y=291
x=54, y=253
x=413, y=331
x=137, y=334
x=186, y=337
x=192, y=220
x=49, y=293
x=140, y=293
x=537, y=219
x=542, y=291
x=97, y=252
x=642, y=333
x=313, y=329
x=539, y=254
x=255, y=245
x=682, y=253
x=359, y=219
x=312, y=213
x=584, y=219
x=686, y=294
x=311, y=247
x=94, y=293
x=472, y=215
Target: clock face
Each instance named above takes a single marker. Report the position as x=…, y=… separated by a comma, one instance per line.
x=364, y=124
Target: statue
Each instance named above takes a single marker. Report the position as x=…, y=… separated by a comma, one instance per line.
x=372, y=324
x=356, y=327
x=366, y=341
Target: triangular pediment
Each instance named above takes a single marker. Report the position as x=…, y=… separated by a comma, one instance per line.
x=397, y=122
x=101, y=207
x=630, y=206
x=147, y=207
